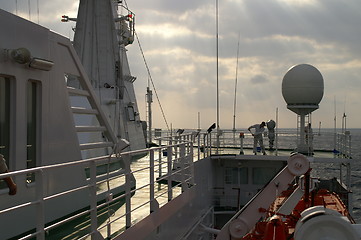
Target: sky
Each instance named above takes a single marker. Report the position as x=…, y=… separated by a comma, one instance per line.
x=179, y=43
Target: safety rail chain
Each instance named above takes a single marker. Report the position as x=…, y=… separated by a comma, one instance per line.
x=176, y=165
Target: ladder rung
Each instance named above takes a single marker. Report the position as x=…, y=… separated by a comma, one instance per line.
x=78, y=92
x=86, y=146
x=90, y=128
x=80, y=110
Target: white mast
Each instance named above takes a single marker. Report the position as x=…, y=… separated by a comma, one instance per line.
x=235, y=93
x=217, y=77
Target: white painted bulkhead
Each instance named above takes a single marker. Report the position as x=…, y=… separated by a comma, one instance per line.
x=56, y=136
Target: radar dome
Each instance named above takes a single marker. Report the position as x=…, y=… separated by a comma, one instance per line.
x=302, y=88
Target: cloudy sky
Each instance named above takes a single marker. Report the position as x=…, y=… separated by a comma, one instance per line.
x=178, y=39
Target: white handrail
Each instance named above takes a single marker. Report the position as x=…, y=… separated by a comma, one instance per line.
x=184, y=157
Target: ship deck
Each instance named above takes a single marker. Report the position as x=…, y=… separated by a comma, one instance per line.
x=165, y=173
x=140, y=200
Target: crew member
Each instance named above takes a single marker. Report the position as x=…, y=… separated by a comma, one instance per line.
x=271, y=133
x=259, y=129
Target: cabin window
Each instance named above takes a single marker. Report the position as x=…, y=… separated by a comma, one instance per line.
x=33, y=112
x=4, y=120
x=131, y=113
x=236, y=175
x=262, y=175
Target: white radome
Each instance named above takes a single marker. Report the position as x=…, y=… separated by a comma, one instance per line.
x=302, y=85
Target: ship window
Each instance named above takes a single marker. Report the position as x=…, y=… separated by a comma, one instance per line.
x=236, y=175
x=33, y=103
x=4, y=120
x=262, y=175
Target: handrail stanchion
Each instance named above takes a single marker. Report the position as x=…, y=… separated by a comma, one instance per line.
x=182, y=159
x=349, y=147
x=204, y=145
x=191, y=163
x=209, y=140
x=93, y=200
x=341, y=174
x=349, y=192
x=160, y=162
x=199, y=147
x=176, y=144
x=40, y=220
x=128, y=194
x=188, y=140
x=151, y=180
x=169, y=168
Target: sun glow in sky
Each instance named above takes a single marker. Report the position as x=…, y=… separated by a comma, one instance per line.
x=179, y=43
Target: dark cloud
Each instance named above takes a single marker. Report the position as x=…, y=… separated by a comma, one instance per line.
x=273, y=35
x=258, y=79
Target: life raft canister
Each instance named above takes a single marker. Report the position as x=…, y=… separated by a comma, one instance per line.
x=276, y=229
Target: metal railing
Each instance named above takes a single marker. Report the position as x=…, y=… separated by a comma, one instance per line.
x=343, y=144
x=168, y=168
x=286, y=140
x=173, y=164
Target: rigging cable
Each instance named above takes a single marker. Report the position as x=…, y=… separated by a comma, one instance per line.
x=150, y=77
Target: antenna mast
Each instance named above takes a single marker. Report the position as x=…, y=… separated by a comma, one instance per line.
x=235, y=92
x=217, y=76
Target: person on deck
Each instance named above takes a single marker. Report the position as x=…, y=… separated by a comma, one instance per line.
x=258, y=138
x=9, y=181
x=271, y=133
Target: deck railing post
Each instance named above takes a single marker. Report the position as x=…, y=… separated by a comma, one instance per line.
x=160, y=159
x=169, y=174
x=188, y=140
x=40, y=219
x=349, y=147
x=183, y=158
x=151, y=180
x=177, y=141
x=128, y=182
x=191, y=164
x=199, y=147
x=348, y=183
x=93, y=200
x=209, y=152
x=341, y=174
x=205, y=145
